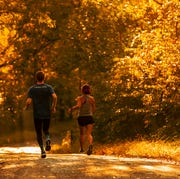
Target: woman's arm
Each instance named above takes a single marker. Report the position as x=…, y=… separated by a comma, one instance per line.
x=78, y=105
x=93, y=103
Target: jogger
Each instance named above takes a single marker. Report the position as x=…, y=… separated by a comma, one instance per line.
x=44, y=102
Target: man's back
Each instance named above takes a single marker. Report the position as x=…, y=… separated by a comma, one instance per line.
x=41, y=96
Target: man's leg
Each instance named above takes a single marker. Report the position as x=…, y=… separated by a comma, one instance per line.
x=46, y=124
x=38, y=127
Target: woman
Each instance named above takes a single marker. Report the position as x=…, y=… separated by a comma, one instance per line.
x=86, y=106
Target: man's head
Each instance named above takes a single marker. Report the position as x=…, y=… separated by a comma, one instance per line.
x=40, y=76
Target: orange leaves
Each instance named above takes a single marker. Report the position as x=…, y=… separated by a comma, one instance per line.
x=6, y=69
x=142, y=148
x=28, y=26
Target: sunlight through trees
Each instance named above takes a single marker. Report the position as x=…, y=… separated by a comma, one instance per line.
x=128, y=50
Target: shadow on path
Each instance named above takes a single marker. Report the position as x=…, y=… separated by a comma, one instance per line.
x=77, y=166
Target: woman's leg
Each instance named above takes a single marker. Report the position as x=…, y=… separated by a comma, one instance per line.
x=81, y=129
x=89, y=129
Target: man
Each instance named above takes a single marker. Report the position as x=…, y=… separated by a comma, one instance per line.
x=44, y=101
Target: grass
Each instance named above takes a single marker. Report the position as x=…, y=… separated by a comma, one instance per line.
x=143, y=148
x=147, y=149
x=61, y=144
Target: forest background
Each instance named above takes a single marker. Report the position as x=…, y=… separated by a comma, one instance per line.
x=127, y=50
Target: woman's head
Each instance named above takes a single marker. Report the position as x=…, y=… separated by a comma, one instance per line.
x=86, y=89
x=40, y=76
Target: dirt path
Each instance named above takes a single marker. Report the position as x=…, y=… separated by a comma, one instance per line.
x=81, y=166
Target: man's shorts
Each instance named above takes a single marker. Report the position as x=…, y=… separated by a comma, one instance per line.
x=85, y=120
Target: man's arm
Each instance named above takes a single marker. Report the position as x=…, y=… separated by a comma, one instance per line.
x=54, y=102
x=28, y=102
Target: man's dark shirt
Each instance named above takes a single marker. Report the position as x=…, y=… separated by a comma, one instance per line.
x=41, y=95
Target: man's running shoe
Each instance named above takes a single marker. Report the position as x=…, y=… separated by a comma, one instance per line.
x=89, y=152
x=43, y=154
x=48, y=145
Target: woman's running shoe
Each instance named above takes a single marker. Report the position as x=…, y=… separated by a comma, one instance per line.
x=89, y=152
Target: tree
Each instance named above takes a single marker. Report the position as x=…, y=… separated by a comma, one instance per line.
x=127, y=50
x=146, y=79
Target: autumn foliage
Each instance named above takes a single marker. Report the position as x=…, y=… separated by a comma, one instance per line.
x=128, y=50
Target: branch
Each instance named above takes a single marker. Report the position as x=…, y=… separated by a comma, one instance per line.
x=156, y=1
x=10, y=44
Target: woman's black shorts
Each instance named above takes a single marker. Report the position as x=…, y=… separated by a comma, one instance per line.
x=85, y=120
